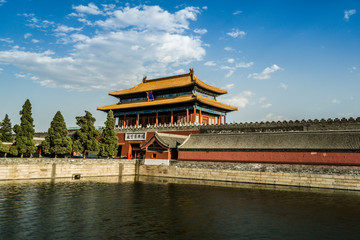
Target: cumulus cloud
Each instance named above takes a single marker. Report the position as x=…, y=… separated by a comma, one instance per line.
x=236, y=33
x=271, y=117
x=150, y=18
x=145, y=41
x=231, y=60
x=210, y=63
x=91, y=9
x=349, y=13
x=200, y=31
x=265, y=74
x=241, y=100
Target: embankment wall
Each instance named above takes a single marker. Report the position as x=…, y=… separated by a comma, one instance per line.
x=288, y=175
x=317, y=176
x=13, y=169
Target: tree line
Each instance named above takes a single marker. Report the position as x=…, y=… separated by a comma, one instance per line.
x=58, y=143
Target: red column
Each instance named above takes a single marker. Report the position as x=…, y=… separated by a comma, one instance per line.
x=137, y=120
x=224, y=119
x=187, y=115
x=124, y=121
x=220, y=117
x=200, y=117
x=194, y=120
x=172, y=118
x=157, y=118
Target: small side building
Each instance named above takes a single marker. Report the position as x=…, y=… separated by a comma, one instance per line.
x=330, y=148
x=161, y=148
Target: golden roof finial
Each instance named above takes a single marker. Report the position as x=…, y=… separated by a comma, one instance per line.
x=144, y=79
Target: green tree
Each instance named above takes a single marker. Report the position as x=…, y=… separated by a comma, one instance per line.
x=109, y=140
x=85, y=139
x=5, y=130
x=24, y=142
x=57, y=142
x=4, y=149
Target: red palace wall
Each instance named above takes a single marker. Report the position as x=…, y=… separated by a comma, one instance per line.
x=328, y=158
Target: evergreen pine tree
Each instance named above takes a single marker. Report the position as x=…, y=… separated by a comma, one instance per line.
x=57, y=142
x=85, y=139
x=5, y=130
x=4, y=149
x=24, y=142
x=109, y=140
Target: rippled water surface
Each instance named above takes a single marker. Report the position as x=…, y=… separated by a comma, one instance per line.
x=161, y=209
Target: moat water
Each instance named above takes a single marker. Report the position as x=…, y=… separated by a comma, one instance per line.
x=155, y=208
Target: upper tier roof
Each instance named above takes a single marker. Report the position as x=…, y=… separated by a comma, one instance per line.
x=165, y=101
x=177, y=81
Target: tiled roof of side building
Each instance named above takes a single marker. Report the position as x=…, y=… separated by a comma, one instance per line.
x=177, y=81
x=311, y=141
x=174, y=100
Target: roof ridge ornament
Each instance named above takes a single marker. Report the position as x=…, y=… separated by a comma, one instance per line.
x=191, y=70
x=144, y=79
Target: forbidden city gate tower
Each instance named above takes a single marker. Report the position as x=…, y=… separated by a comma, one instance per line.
x=177, y=99
x=158, y=105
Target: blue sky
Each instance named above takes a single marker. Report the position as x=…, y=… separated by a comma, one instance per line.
x=279, y=60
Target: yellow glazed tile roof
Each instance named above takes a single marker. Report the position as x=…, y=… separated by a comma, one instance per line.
x=168, y=82
x=179, y=99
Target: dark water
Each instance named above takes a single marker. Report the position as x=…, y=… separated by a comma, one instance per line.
x=149, y=210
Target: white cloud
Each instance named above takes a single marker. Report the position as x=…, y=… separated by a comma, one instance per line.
x=228, y=49
x=35, y=22
x=271, y=117
x=283, y=86
x=266, y=105
x=150, y=18
x=19, y=75
x=2, y=2
x=236, y=33
x=116, y=58
x=180, y=71
x=335, y=101
x=35, y=40
x=91, y=9
x=1, y=69
x=244, y=65
x=265, y=74
x=241, y=100
x=66, y=29
x=349, y=13
x=205, y=7
x=210, y=63
x=27, y=35
x=229, y=86
x=231, y=60
x=7, y=40
x=262, y=99
x=229, y=73
x=200, y=31
x=237, y=12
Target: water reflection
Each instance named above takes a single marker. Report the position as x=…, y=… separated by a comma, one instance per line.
x=159, y=208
